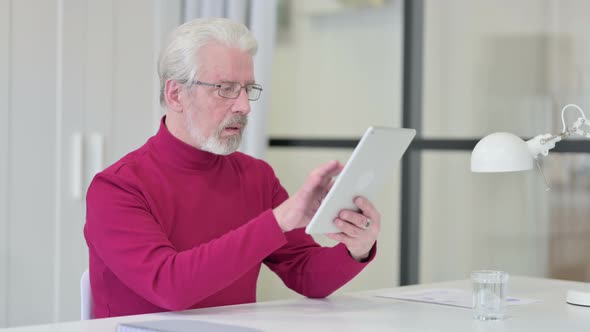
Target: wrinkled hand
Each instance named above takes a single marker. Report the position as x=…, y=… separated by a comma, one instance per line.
x=357, y=235
x=298, y=210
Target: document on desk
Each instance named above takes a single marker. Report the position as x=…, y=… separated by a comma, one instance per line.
x=447, y=296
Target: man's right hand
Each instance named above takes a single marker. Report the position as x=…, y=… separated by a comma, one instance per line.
x=297, y=211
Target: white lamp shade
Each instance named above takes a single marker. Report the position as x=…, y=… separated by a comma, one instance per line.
x=501, y=152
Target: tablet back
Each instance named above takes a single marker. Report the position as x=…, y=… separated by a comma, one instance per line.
x=370, y=166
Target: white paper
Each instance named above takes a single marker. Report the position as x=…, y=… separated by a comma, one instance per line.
x=448, y=296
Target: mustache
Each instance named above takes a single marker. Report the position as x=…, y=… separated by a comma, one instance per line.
x=240, y=119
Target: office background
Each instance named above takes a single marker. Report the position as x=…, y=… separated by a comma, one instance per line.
x=78, y=90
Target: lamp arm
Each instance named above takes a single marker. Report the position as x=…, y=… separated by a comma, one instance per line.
x=580, y=120
x=575, y=128
x=541, y=144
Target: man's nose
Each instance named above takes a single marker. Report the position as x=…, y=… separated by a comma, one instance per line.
x=242, y=104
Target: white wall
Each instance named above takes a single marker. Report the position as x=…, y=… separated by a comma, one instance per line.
x=32, y=158
x=339, y=73
x=480, y=221
x=67, y=67
x=5, y=22
x=472, y=85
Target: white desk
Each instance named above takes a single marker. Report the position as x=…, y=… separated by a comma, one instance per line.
x=367, y=313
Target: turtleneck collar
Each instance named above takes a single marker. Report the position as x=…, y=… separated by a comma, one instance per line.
x=176, y=152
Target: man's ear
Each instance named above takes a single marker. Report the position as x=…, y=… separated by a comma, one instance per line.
x=172, y=93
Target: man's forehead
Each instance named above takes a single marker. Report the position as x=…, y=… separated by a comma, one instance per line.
x=218, y=74
x=217, y=52
x=227, y=67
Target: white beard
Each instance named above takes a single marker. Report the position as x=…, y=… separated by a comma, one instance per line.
x=215, y=143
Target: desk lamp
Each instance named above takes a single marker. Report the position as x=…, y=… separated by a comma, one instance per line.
x=505, y=152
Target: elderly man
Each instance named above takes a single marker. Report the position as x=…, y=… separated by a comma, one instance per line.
x=185, y=221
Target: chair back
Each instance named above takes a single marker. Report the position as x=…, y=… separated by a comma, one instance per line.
x=86, y=306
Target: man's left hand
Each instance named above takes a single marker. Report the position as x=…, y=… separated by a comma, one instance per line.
x=359, y=229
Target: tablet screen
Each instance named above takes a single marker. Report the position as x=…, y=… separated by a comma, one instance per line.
x=371, y=165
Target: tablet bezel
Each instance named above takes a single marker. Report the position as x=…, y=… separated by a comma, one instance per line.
x=379, y=149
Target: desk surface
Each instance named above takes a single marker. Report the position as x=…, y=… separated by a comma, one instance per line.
x=365, y=312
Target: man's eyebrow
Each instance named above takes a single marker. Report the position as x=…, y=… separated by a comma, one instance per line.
x=245, y=82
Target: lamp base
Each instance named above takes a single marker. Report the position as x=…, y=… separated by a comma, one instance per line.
x=578, y=298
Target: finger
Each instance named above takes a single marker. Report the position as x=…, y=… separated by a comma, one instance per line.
x=327, y=182
x=348, y=228
x=339, y=237
x=354, y=218
x=316, y=205
x=326, y=189
x=323, y=191
x=329, y=170
x=368, y=209
x=322, y=175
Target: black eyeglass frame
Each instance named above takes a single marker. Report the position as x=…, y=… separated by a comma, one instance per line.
x=252, y=86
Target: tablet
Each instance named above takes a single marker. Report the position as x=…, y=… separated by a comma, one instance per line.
x=370, y=166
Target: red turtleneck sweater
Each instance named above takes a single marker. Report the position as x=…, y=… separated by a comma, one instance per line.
x=171, y=227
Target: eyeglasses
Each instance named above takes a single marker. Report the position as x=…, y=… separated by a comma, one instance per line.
x=232, y=90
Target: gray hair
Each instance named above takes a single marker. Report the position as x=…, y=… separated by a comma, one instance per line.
x=179, y=60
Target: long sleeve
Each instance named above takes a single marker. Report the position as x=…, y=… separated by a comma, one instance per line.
x=311, y=270
x=306, y=267
x=125, y=235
